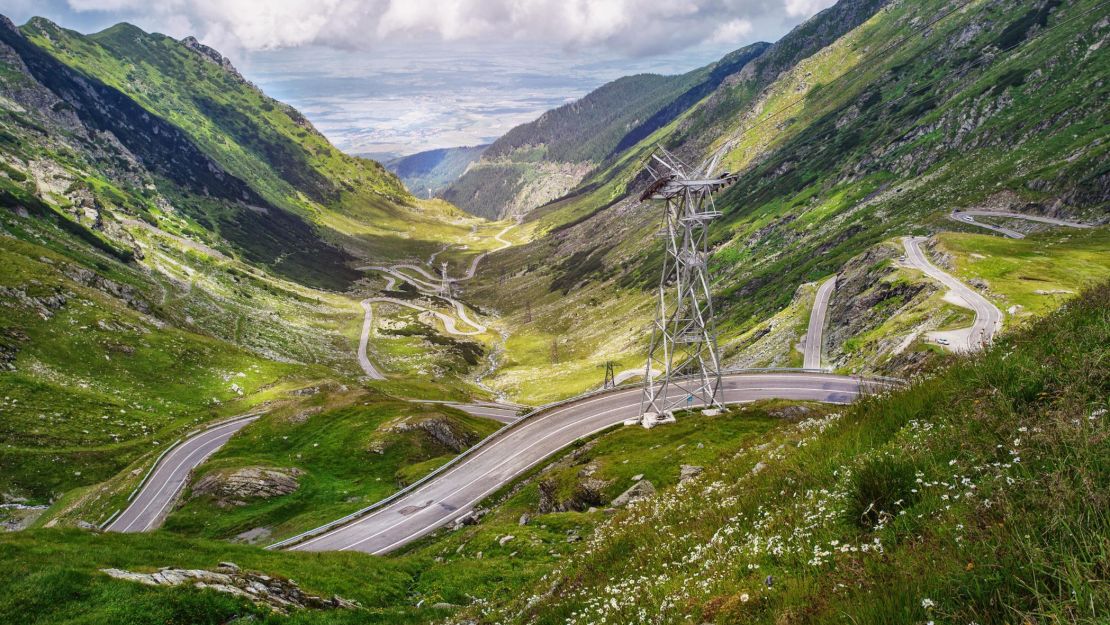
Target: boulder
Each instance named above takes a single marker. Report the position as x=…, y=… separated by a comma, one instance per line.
x=253, y=536
x=587, y=492
x=689, y=471
x=639, y=490
x=441, y=430
x=443, y=605
x=235, y=487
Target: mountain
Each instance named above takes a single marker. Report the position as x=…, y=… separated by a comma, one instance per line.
x=177, y=247
x=300, y=187
x=867, y=122
x=537, y=162
x=428, y=173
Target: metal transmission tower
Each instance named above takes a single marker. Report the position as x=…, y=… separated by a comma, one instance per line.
x=684, y=335
x=610, y=377
x=444, y=281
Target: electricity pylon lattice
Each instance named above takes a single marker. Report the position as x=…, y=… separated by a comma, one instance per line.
x=684, y=335
x=444, y=281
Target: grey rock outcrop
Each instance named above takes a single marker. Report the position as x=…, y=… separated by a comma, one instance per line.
x=689, y=472
x=124, y=292
x=587, y=492
x=210, y=54
x=253, y=536
x=235, y=487
x=442, y=431
x=16, y=516
x=639, y=490
x=280, y=595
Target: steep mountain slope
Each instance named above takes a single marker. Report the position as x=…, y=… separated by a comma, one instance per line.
x=66, y=100
x=978, y=494
x=268, y=145
x=428, y=173
x=179, y=249
x=920, y=109
x=540, y=161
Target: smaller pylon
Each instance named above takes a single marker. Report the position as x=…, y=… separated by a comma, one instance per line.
x=610, y=377
x=445, y=282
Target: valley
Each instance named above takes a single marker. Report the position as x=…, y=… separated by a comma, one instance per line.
x=228, y=346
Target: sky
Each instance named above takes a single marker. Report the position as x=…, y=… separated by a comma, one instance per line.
x=392, y=77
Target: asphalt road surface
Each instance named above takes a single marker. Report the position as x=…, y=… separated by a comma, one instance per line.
x=367, y=324
x=155, y=499
x=988, y=318
x=498, y=412
x=153, y=502
x=815, y=335
x=494, y=464
x=968, y=217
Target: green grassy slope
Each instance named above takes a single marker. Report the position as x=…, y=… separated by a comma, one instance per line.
x=354, y=449
x=254, y=138
x=170, y=237
x=93, y=378
x=977, y=494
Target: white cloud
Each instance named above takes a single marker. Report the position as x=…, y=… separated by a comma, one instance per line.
x=806, y=8
x=732, y=31
x=632, y=27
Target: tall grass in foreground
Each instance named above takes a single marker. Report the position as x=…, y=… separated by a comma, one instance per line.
x=979, y=495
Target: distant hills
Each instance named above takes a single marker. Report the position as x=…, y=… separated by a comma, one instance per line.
x=428, y=173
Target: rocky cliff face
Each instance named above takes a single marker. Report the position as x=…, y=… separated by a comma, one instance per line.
x=211, y=54
x=866, y=297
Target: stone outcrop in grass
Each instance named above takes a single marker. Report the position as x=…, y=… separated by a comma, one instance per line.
x=279, y=594
x=442, y=431
x=639, y=490
x=232, y=489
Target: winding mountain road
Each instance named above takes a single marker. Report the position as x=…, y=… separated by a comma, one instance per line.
x=988, y=318
x=426, y=287
x=815, y=334
x=628, y=374
x=367, y=324
x=158, y=492
x=968, y=217
x=501, y=458
x=156, y=495
x=505, y=413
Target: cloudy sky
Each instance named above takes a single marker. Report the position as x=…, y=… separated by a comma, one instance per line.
x=400, y=76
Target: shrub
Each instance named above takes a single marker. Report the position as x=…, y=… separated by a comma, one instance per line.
x=883, y=485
